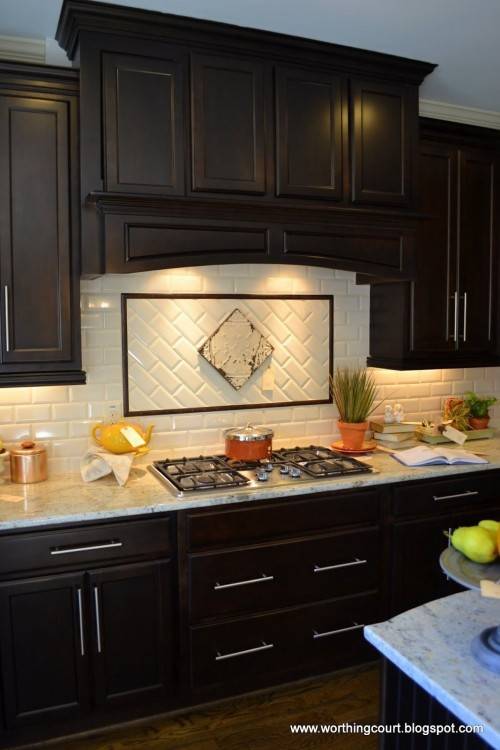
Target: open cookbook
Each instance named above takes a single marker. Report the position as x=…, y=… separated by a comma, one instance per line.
x=426, y=456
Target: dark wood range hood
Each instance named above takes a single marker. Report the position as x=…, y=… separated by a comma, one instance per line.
x=209, y=143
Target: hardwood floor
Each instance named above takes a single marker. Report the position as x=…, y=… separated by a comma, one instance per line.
x=260, y=721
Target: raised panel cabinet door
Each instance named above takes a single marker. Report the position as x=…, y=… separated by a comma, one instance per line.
x=382, y=142
x=44, y=649
x=144, y=124
x=132, y=632
x=479, y=206
x=227, y=125
x=434, y=293
x=35, y=251
x=308, y=134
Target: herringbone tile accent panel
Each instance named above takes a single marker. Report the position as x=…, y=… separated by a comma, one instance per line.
x=167, y=373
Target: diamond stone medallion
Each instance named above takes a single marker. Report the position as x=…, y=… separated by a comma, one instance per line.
x=236, y=349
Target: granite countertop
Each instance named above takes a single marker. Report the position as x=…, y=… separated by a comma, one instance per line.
x=431, y=644
x=66, y=498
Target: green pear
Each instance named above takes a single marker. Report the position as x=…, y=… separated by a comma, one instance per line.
x=476, y=543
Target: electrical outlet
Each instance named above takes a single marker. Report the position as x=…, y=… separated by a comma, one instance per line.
x=111, y=413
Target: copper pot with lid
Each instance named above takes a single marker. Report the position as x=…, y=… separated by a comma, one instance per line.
x=248, y=443
x=28, y=462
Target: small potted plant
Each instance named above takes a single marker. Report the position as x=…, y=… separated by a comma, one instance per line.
x=478, y=406
x=354, y=393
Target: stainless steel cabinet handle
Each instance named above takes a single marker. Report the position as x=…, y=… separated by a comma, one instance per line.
x=265, y=647
x=465, y=316
x=7, y=322
x=263, y=578
x=72, y=550
x=327, y=633
x=97, y=619
x=80, y=621
x=455, y=323
x=356, y=561
x=469, y=493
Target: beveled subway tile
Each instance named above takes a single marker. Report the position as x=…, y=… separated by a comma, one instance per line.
x=30, y=412
x=14, y=432
x=49, y=394
x=49, y=430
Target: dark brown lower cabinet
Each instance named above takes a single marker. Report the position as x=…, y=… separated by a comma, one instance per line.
x=69, y=642
x=104, y=622
x=416, y=546
x=132, y=639
x=44, y=649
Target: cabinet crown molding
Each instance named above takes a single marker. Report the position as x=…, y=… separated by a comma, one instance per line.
x=484, y=118
x=86, y=15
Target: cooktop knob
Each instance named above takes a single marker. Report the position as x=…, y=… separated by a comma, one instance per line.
x=295, y=472
x=262, y=475
x=284, y=469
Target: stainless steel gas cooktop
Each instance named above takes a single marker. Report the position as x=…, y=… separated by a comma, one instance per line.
x=288, y=465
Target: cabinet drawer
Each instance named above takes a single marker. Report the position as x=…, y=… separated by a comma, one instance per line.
x=317, y=637
x=247, y=523
x=444, y=495
x=282, y=574
x=84, y=546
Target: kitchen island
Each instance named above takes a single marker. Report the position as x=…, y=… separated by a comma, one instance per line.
x=430, y=645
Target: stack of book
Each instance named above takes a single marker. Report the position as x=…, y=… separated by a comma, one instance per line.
x=394, y=435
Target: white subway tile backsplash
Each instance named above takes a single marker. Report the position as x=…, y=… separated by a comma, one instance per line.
x=49, y=430
x=63, y=416
x=49, y=395
x=31, y=413
x=12, y=433
x=69, y=412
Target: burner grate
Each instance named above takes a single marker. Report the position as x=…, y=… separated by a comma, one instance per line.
x=194, y=474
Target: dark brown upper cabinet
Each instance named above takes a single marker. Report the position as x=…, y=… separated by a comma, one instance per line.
x=445, y=317
x=308, y=134
x=227, y=125
x=144, y=124
x=193, y=128
x=39, y=226
x=384, y=123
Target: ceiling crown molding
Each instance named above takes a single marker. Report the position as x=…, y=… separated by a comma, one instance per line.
x=484, y=118
x=22, y=49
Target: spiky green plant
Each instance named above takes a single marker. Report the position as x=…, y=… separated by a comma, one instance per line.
x=354, y=392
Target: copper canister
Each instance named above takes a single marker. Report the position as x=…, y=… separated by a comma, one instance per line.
x=28, y=463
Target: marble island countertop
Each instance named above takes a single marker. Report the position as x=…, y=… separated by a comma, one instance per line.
x=431, y=644
x=66, y=498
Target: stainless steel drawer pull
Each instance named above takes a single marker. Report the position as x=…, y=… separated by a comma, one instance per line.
x=356, y=561
x=7, y=322
x=327, y=633
x=90, y=548
x=97, y=619
x=465, y=317
x=455, y=321
x=469, y=493
x=265, y=647
x=263, y=578
x=80, y=621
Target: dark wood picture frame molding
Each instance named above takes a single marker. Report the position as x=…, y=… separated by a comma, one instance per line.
x=230, y=407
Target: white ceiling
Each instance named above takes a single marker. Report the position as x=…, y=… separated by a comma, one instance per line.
x=462, y=36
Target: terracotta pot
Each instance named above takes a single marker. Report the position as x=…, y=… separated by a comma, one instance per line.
x=479, y=423
x=353, y=434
